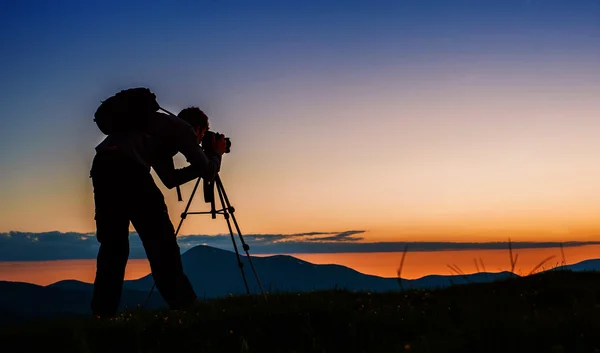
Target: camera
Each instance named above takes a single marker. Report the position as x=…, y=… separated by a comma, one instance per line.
x=208, y=137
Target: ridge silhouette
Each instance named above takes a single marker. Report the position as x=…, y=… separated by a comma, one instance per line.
x=282, y=273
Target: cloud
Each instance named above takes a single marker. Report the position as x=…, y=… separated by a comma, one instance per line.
x=300, y=237
x=22, y=246
x=17, y=246
x=269, y=243
x=55, y=245
x=346, y=236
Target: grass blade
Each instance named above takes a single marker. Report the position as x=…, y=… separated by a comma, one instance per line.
x=541, y=264
x=399, y=271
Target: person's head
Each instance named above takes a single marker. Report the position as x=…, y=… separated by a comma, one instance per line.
x=196, y=118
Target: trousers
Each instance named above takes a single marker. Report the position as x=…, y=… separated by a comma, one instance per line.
x=125, y=192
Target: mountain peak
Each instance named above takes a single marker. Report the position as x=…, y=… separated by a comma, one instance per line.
x=200, y=250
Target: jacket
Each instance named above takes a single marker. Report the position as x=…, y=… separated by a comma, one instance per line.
x=156, y=145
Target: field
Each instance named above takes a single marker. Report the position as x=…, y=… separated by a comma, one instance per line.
x=556, y=311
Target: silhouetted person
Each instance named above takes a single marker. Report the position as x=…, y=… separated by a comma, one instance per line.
x=124, y=191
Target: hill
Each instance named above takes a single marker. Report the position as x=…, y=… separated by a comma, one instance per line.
x=555, y=311
x=215, y=273
x=20, y=302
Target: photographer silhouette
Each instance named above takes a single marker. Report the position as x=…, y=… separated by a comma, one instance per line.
x=124, y=192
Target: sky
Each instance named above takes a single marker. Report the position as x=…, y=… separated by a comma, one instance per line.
x=441, y=121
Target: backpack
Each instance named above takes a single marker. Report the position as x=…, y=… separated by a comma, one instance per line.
x=126, y=111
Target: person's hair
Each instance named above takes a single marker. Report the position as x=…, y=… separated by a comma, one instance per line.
x=195, y=117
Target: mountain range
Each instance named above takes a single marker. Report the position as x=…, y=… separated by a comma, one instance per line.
x=215, y=273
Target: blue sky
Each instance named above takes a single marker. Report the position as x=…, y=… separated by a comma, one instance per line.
x=429, y=120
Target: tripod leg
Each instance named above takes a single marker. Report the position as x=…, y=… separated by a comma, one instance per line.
x=230, y=209
x=183, y=216
x=187, y=207
x=213, y=210
x=240, y=263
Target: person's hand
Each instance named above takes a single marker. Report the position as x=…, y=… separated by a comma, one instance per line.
x=220, y=144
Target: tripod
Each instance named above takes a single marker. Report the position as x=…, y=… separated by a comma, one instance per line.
x=209, y=196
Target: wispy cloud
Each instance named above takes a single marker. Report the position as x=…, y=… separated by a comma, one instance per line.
x=311, y=236
x=346, y=236
x=22, y=246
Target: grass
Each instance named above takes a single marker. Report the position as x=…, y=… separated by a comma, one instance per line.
x=556, y=311
x=455, y=269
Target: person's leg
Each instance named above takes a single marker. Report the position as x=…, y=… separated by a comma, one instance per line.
x=152, y=223
x=110, y=182
x=113, y=235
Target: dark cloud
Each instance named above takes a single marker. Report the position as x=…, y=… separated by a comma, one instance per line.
x=16, y=246
x=299, y=237
x=22, y=246
x=346, y=236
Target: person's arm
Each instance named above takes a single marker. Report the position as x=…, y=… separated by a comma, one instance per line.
x=201, y=165
x=171, y=177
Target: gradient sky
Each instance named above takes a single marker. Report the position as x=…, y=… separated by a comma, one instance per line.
x=421, y=120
